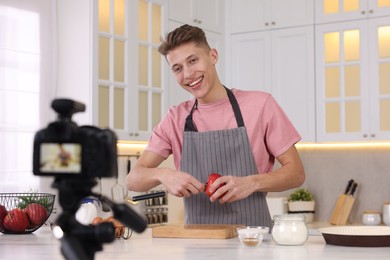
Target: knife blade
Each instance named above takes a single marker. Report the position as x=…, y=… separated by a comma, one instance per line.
x=349, y=185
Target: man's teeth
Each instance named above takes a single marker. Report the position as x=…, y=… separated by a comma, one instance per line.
x=195, y=82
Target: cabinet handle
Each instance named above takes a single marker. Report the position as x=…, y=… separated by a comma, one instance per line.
x=136, y=134
x=371, y=11
x=365, y=135
x=363, y=12
x=197, y=21
x=273, y=23
x=372, y=135
x=266, y=24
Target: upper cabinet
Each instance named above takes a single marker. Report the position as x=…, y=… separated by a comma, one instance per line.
x=254, y=15
x=280, y=62
x=272, y=49
x=353, y=80
x=108, y=59
x=207, y=14
x=345, y=10
x=130, y=90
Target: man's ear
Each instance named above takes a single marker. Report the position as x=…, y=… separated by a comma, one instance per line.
x=214, y=56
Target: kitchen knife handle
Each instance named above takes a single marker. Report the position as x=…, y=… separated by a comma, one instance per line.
x=353, y=189
x=149, y=196
x=350, y=183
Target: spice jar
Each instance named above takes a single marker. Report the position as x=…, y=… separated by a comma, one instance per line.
x=371, y=218
x=289, y=229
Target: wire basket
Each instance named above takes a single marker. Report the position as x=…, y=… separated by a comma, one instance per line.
x=24, y=213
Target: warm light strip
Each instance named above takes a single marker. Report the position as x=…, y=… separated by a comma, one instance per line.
x=358, y=145
x=131, y=148
x=140, y=146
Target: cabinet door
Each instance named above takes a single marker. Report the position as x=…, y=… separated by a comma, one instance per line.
x=254, y=15
x=377, y=8
x=128, y=92
x=279, y=62
x=291, y=13
x=206, y=14
x=293, y=77
x=251, y=61
x=340, y=10
x=148, y=93
x=342, y=81
x=182, y=11
x=248, y=15
x=111, y=86
x=345, y=10
x=209, y=14
x=379, y=82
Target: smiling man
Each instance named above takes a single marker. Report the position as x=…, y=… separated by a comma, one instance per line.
x=235, y=133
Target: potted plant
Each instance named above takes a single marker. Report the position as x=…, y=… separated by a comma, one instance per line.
x=301, y=201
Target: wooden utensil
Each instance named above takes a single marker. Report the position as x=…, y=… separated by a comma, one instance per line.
x=195, y=231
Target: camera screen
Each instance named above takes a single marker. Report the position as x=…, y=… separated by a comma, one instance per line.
x=60, y=158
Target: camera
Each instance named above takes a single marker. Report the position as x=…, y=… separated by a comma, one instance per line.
x=76, y=157
x=64, y=149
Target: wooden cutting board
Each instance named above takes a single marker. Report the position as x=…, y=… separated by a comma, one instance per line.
x=195, y=231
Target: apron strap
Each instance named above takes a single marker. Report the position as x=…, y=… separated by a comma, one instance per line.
x=190, y=126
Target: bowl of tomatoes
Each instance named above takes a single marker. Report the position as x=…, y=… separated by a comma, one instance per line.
x=24, y=213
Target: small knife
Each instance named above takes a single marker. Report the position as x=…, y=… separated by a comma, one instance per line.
x=349, y=186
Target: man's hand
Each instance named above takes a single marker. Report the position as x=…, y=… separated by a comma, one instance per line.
x=233, y=188
x=181, y=184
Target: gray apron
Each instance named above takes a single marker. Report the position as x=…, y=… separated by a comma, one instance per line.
x=227, y=152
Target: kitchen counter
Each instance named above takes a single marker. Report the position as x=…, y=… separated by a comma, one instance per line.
x=42, y=245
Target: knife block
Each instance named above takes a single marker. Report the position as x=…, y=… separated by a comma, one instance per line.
x=342, y=210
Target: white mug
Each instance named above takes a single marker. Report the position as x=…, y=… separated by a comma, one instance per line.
x=386, y=213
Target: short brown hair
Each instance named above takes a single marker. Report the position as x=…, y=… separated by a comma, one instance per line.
x=183, y=34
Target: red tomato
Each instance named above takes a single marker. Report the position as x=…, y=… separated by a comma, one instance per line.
x=16, y=221
x=210, y=181
x=36, y=213
x=3, y=212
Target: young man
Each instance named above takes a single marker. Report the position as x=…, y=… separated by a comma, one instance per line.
x=235, y=133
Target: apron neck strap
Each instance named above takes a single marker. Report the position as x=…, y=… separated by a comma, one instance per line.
x=190, y=126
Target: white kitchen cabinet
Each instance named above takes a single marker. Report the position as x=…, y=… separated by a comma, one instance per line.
x=207, y=14
x=280, y=62
x=175, y=92
x=254, y=15
x=353, y=80
x=346, y=10
x=108, y=59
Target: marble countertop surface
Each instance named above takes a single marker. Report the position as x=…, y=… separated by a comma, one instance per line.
x=43, y=245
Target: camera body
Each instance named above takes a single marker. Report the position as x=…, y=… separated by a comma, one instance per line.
x=65, y=149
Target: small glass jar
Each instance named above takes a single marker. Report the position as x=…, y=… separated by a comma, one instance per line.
x=371, y=218
x=289, y=229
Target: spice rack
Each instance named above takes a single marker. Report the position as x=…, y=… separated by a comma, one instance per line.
x=156, y=209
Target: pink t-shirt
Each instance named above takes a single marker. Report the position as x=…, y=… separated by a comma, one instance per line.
x=269, y=130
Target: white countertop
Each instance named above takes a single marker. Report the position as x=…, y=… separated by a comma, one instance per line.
x=42, y=245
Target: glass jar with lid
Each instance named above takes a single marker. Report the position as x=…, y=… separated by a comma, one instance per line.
x=289, y=229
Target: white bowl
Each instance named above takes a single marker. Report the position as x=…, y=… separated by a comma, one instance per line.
x=252, y=236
